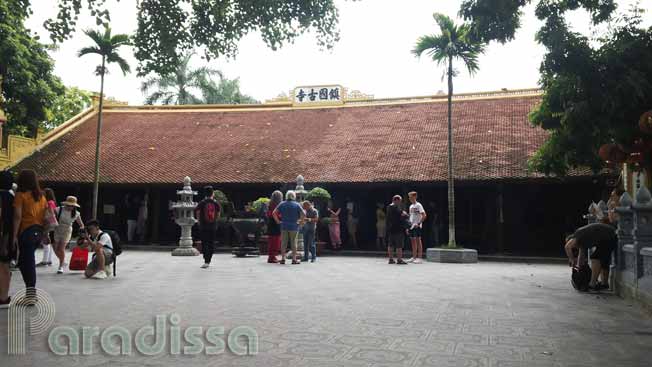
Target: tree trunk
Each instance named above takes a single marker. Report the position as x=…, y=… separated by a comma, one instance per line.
x=451, y=188
x=96, y=182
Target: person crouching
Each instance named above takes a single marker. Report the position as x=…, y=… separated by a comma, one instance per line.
x=100, y=243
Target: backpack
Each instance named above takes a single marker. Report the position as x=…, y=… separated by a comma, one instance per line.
x=115, y=241
x=580, y=278
x=210, y=212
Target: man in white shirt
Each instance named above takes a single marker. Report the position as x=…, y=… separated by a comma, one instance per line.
x=417, y=217
x=100, y=243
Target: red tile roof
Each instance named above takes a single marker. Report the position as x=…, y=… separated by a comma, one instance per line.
x=366, y=143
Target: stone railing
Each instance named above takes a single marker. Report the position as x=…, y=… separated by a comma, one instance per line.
x=633, y=276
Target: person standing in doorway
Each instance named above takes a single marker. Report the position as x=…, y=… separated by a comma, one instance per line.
x=395, y=225
x=273, y=228
x=288, y=214
x=208, y=211
x=309, y=232
x=334, y=226
x=417, y=217
x=133, y=208
x=380, y=227
x=141, y=226
x=352, y=225
x=29, y=210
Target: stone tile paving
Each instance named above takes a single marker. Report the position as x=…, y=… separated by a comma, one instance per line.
x=347, y=311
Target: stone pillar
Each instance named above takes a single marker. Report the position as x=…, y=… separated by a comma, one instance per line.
x=625, y=228
x=642, y=236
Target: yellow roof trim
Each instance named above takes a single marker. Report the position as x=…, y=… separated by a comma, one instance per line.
x=285, y=106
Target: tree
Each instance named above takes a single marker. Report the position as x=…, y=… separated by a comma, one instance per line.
x=66, y=106
x=105, y=45
x=454, y=42
x=168, y=29
x=594, y=89
x=178, y=87
x=185, y=84
x=28, y=82
x=226, y=91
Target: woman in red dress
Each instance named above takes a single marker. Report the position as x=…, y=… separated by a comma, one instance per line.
x=273, y=228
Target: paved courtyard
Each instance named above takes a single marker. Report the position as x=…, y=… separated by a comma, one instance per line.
x=349, y=311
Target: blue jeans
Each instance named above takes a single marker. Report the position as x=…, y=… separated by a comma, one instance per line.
x=309, y=245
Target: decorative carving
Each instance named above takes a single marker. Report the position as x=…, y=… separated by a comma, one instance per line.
x=185, y=217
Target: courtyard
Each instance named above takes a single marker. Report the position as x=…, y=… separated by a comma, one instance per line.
x=348, y=311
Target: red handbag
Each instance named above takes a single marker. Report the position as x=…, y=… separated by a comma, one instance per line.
x=79, y=258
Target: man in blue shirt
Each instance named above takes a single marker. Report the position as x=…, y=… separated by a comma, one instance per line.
x=288, y=214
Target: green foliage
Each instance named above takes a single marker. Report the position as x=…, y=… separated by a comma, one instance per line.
x=594, y=89
x=226, y=91
x=258, y=204
x=453, y=42
x=28, y=82
x=167, y=29
x=178, y=87
x=318, y=194
x=106, y=45
x=186, y=84
x=221, y=198
x=66, y=106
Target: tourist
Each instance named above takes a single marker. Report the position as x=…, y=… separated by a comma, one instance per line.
x=395, y=227
x=102, y=246
x=208, y=212
x=48, y=239
x=352, y=225
x=273, y=228
x=67, y=214
x=601, y=236
x=133, y=209
x=334, y=225
x=141, y=225
x=309, y=232
x=417, y=217
x=288, y=214
x=29, y=211
x=7, y=248
x=380, y=226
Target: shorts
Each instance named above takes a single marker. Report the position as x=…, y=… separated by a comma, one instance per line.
x=396, y=240
x=63, y=233
x=603, y=252
x=415, y=232
x=108, y=260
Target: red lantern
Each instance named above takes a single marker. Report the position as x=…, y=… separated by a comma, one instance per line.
x=645, y=122
x=612, y=153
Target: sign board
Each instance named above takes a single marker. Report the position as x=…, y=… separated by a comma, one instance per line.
x=318, y=95
x=109, y=209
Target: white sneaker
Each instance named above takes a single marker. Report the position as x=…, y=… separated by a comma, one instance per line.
x=60, y=270
x=205, y=266
x=100, y=275
x=417, y=261
x=107, y=270
x=412, y=260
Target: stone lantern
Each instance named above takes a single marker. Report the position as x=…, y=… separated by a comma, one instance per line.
x=301, y=195
x=184, y=213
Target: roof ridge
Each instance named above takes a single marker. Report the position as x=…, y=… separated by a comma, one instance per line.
x=284, y=106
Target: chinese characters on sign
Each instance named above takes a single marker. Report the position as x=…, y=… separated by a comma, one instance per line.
x=325, y=94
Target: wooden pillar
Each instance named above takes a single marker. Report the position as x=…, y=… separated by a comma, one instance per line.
x=500, y=238
x=155, y=214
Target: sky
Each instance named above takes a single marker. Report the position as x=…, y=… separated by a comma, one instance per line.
x=373, y=56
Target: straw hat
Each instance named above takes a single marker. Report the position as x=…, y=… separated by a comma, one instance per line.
x=71, y=201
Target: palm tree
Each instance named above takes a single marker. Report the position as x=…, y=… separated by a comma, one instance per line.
x=226, y=91
x=453, y=42
x=177, y=87
x=106, y=46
